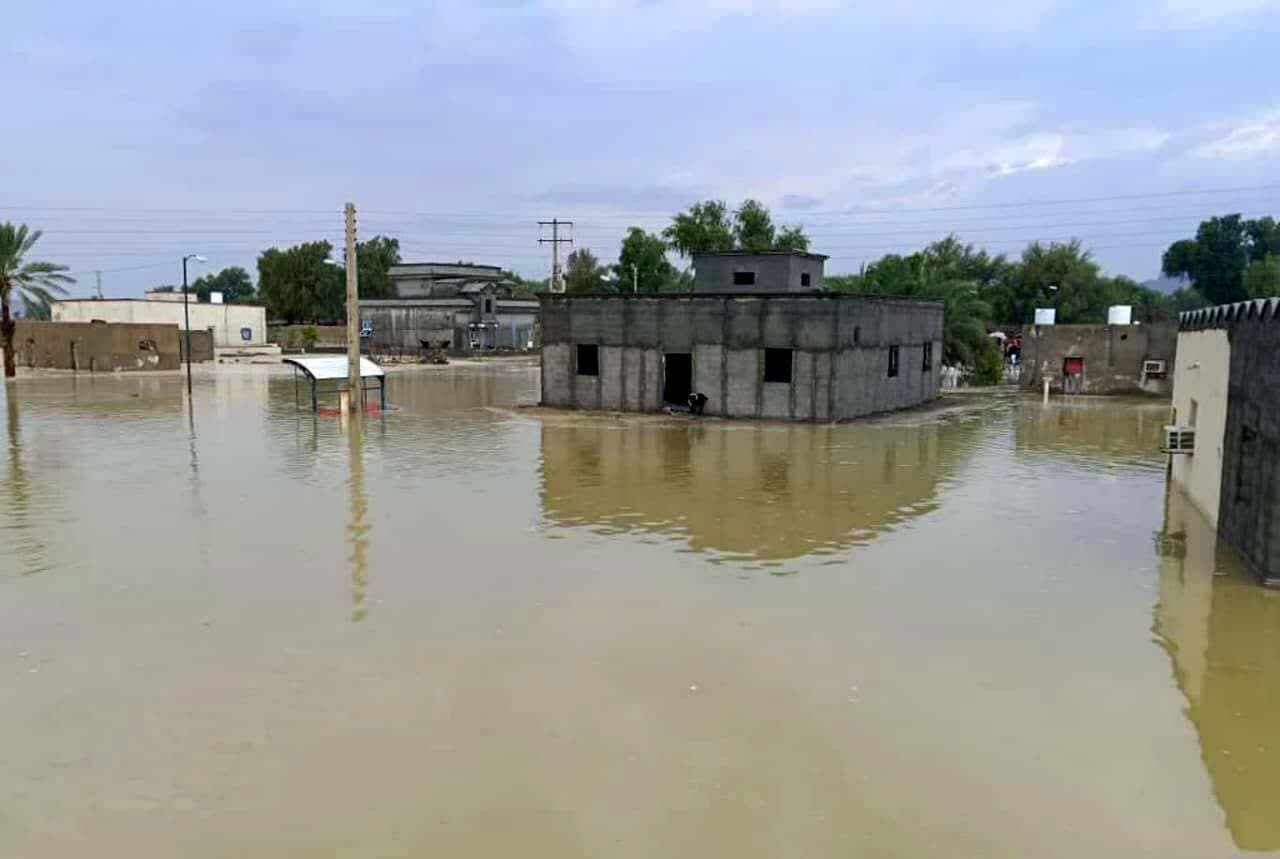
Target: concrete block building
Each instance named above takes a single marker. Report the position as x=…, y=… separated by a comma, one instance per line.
x=1225, y=390
x=767, y=353
x=1099, y=359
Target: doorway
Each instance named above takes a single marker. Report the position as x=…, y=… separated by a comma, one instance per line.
x=1072, y=375
x=677, y=377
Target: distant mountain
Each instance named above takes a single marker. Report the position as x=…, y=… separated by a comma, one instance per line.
x=1167, y=285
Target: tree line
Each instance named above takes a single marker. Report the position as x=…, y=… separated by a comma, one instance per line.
x=1230, y=258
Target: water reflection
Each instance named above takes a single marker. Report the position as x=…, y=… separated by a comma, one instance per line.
x=1222, y=633
x=358, y=526
x=17, y=489
x=744, y=491
x=1105, y=433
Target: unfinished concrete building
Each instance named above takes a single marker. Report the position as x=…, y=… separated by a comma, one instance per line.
x=769, y=353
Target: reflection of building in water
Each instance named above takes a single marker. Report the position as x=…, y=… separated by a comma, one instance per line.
x=1223, y=634
x=1099, y=430
x=762, y=492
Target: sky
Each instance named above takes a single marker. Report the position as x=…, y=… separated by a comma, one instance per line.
x=136, y=132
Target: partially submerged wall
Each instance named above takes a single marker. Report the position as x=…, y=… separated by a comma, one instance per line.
x=1249, y=494
x=846, y=356
x=98, y=346
x=1112, y=355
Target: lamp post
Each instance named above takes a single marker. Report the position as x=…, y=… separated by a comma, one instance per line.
x=186, y=314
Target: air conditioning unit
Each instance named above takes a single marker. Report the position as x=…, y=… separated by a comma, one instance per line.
x=1179, y=439
x=1152, y=369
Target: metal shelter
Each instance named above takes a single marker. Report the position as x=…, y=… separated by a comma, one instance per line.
x=333, y=368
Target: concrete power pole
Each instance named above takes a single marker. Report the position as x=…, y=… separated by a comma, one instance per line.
x=353, y=313
x=557, y=282
x=98, y=275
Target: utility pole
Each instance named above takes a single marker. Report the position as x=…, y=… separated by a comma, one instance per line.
x=557, y=282
x=635, y=278
x=353, y=312
x=98, y=275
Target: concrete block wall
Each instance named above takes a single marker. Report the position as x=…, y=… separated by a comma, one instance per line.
x=840, y=347
x=774, y=272
x=102, y=346
x=1113, y=357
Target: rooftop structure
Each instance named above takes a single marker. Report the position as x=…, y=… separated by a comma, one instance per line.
x=758, y=272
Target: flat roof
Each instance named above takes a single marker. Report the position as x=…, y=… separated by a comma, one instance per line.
x=804, y=254
x=322, y=368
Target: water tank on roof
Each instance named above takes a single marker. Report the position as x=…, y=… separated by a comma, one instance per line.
x=1046, y=315
x=1120, y=314
x=215, y=297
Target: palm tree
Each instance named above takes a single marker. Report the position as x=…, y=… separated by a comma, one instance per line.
x=36, y=282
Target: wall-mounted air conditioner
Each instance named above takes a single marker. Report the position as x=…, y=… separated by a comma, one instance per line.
x=1179, y=439
x=1155, y=369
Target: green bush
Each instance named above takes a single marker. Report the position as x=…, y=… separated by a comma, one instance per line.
x=309, y=337
x=988, y=366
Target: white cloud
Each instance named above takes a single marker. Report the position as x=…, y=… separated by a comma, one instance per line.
x=1254, y=138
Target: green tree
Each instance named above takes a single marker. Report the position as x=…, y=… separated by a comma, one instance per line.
x=234, y=283
x=523, y=288
x=1262, y=277
x=35, y=283
x=374, y=259
x=1187, y=298
x=791, y=238
x=648, y=254
x=1215, y=260
x=753, y=227
x=584, y=273
x=300, y=284
x=1059, y=275
x=705, y=228
x=1264, y=238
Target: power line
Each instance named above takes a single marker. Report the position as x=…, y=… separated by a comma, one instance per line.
x=515, y=213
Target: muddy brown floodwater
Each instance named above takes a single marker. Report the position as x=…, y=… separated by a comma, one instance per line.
x=466, y=630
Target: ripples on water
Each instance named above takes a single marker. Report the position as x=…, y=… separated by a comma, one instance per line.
x=596, y=635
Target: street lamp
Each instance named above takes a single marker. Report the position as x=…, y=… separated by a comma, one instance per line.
x=186, y=314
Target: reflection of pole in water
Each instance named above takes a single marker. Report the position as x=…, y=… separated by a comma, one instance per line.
x=358, y=528
x=18, y=490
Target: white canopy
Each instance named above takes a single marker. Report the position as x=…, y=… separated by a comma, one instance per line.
x=324, y=367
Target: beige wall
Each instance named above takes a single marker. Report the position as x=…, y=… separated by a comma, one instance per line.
x=1203, y=365
x=226, y=320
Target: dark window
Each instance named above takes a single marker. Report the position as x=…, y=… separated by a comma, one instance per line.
x=857, y=334
x=804, y=278
x=488, y=305
x=927, y=364
x=777, y=365
x=893, y=361
x=588, y=360
x=744, y=278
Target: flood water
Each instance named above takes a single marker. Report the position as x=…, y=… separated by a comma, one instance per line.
x=464, y=629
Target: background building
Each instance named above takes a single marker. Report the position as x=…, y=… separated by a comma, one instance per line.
x=1099, y=359
x=230, y=325
x=1225, y=389
x=457, y=306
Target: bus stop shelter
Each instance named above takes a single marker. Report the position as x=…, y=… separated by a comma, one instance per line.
x=322, y=369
